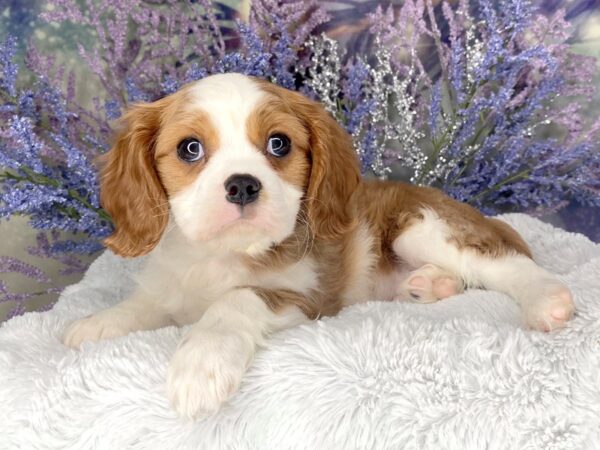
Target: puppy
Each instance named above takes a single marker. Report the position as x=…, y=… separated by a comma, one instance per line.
x=251, y=200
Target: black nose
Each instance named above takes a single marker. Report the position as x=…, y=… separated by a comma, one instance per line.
x=242, y=189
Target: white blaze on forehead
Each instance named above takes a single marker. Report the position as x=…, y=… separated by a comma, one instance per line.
x=228, y=99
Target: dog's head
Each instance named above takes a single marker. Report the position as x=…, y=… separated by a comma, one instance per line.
x=235, y=160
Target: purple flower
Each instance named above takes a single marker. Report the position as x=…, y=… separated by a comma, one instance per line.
x=8, y=67
x=8, y=265
x=301, y=17
x=170, y=85
x=25, y=145
x=457, y=67
x=112, y=109
x=135, y=93
x=194, y=73
x=436, y=107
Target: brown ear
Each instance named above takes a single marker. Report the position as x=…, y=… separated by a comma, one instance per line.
x=130, y=188
x=335, y=171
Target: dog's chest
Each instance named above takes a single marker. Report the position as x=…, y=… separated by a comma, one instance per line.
x=201, y=282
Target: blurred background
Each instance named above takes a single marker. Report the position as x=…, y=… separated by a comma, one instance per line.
x=20, y=18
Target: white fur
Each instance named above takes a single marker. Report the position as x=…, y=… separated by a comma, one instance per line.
x=299, y=277
x=210, y=362
x=188, y=282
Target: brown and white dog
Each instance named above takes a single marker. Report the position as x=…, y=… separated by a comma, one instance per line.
x=251, y=199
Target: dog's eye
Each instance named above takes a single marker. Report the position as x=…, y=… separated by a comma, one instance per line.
x=190, y=150
x=279, y=145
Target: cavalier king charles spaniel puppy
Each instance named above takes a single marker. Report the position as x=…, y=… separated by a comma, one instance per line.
x=250, y=199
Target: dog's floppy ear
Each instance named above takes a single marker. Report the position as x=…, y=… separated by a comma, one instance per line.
x=335, y=171
x=131, y=190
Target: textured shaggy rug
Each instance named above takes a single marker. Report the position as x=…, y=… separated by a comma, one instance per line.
x=461, y=374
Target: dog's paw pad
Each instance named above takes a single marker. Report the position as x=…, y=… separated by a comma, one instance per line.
x=445, y=287
x=419, y=282
x=429, y=284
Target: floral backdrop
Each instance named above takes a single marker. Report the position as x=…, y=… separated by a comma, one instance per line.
x=491, y=101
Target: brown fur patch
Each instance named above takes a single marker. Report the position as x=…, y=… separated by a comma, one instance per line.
x=272, y=117
x=130, y=187
x=278, y=299
x=176, y=174
x=334, y=171
x=333, y=258
x=391, y=207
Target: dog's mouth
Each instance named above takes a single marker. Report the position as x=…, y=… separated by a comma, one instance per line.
x=248, y=213
x=243, y=215
x=249, y=231
x=246, y=217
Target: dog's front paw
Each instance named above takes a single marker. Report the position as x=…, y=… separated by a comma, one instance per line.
x=551, y=307
x=103, y=325
x=206, y=369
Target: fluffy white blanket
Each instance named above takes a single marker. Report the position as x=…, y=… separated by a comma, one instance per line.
x=461, y=374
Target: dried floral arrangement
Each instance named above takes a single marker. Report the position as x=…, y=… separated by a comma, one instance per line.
x=494, y=120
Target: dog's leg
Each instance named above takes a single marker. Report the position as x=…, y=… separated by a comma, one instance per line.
x=488, y=254
x=211, y=360
x=139, y=312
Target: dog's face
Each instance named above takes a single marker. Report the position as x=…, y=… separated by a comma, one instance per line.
x=236, y=161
